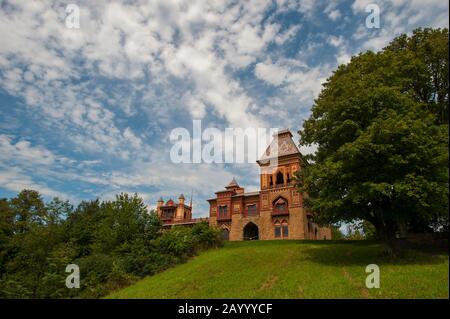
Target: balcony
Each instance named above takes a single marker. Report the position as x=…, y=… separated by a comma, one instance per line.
x=280, y=212
x=277, y=186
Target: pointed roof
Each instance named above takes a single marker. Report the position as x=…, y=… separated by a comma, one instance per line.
x=170, y=202
x=181, y=197
x=281, y=145
x=232, y=184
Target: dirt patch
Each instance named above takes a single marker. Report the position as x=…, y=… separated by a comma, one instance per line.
x=269, y=282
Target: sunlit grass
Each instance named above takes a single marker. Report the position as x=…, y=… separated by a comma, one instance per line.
x=298, y=269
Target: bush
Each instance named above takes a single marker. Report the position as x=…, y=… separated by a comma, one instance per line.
x=178, y=241
x=206, y=236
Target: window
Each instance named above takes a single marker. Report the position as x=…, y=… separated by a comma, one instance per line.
x=223, y=211
x=277, y=229
x=167, y=214
x=284, y=227
x=251, y=210
x=281, y=229
x=280, y=208
x=280, y=178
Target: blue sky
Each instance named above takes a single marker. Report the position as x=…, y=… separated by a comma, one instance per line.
x=87, y=112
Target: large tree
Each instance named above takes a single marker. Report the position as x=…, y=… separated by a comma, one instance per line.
x=381, y=129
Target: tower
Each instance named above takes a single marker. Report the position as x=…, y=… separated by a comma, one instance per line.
x=276, y=211
x=181, y=211
x=288, y=160
x=159, y=205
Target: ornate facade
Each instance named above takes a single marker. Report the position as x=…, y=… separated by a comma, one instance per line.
x=172, y=213
x=275, y=211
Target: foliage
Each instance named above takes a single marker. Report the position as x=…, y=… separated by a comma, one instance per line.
x=114, y=243
x=381, y=127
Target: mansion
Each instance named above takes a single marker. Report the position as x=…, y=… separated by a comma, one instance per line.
x=276, y=211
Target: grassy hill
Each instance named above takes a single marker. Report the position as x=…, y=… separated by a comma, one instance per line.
x=298, y=269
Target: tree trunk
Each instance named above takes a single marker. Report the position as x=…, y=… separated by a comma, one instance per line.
x=385, y=230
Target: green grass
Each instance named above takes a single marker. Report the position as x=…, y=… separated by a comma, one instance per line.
x=298, y=269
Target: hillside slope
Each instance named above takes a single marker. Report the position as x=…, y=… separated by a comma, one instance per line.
x=297, y=269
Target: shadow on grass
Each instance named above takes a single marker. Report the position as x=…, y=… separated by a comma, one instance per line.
x=363, y=253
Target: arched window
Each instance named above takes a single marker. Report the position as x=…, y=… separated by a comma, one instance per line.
x=285, y=228
x=288, y=180
x=271, y=181
x=280, y=207
x=277, y=229
x=280, y=178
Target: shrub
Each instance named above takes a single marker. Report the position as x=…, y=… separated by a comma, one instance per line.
x=206, y=236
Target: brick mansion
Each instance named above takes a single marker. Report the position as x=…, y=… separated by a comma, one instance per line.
x=275, y=211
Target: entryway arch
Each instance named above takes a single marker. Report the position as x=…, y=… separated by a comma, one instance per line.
x=251, y=231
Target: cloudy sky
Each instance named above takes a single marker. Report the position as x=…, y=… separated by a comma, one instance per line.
x=87, y=112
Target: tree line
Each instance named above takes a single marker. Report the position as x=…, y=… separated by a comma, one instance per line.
x=113, y=243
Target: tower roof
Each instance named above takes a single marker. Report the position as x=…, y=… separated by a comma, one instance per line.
x=181, y=197
x=170, y=202
x=233, y=183
x=281, y=145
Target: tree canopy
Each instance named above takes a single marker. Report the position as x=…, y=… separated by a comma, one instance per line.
x=113, y=243
x=380, y=125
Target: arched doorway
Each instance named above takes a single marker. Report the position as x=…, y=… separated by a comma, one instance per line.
x=251, y=232
x=225, y=234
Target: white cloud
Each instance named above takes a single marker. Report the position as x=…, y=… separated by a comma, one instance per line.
x=335, y=41
x=23, y=152
x=334, y=15
x=15, y=180
x=281, y=38
x=271, y=73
